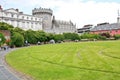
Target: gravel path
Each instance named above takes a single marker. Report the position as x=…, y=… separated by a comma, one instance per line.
x=8, y=73
x=5, y=73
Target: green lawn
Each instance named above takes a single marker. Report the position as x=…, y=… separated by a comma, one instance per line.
x=69, y=61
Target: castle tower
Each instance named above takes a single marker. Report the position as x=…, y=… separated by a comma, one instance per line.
x=118, y=18
x=46, y=15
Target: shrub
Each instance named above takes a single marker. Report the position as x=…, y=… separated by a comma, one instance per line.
x=17, y=39
x=117, y=36
x=2, y=39
x=31, y=36
x=58, y=37
x=41, y=36
x=71, y=36
x=107, y=35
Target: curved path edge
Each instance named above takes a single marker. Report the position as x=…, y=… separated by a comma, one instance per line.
x=7, y=72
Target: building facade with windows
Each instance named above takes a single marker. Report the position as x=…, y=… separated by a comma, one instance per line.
x=41, y=19
x=51, y=25
x=85, y=29
x=19, y=19
x=112, y=29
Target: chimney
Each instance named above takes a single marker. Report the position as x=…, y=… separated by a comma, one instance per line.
x=17, y=10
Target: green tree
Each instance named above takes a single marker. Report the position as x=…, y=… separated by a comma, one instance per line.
x=117, y=36
x=49, y=36
x=58, y=37
x=5, y=26
x=19, y=30
x=2, y=39
x=41, y=36
x=71, y=36
x=107, y=35
x=17, y=39
x=31, y=36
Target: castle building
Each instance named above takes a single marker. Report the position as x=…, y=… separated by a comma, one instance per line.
x=18, y=19
x=41, y=19
x=50, y=24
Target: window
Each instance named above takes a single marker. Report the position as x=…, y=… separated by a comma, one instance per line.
x=6, y=14
x=23, y=17
x=12, y=15
x=17, y=16
x=36, y=19
x=27, y=17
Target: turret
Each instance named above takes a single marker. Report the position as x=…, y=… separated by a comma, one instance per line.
x=46, y=15
x=40, y=10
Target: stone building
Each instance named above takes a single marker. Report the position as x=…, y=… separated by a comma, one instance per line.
x=41, y=19
x=19, y=19
x=50, y=24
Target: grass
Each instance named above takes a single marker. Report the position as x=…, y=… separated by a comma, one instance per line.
x=69, y=61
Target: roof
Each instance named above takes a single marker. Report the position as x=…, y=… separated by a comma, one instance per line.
x=112, y=26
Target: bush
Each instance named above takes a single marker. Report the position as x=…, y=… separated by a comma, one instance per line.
x=107, y=35
x=93, y=36
x=31, y=36
x=2, y=39
x=41, y=36
x=117, y=36
x=17, y=40
x=58, y=37
x=90, y=36
x=71, y=36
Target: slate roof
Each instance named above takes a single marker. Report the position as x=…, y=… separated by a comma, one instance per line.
x=106, y=27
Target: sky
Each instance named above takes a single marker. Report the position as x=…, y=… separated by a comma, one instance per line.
x=80, y=12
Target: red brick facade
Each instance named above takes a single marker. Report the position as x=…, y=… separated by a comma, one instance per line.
x=112, y=32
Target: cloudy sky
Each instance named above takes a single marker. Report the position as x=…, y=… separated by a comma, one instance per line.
x=81, y=12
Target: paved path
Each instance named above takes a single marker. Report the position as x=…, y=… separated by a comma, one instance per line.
x=5, y=73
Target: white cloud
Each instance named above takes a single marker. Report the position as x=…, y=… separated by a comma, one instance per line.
x=81, y=13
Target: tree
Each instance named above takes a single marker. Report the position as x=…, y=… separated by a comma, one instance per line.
x=41, y=36
x=31, y=36
x=2, y=39
x=58, y=37
x=107, y=35
x=19, y=30
x=17, y=39
x=71, y=36
x=117, y=36
x=49, y=36
x=5, y=26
